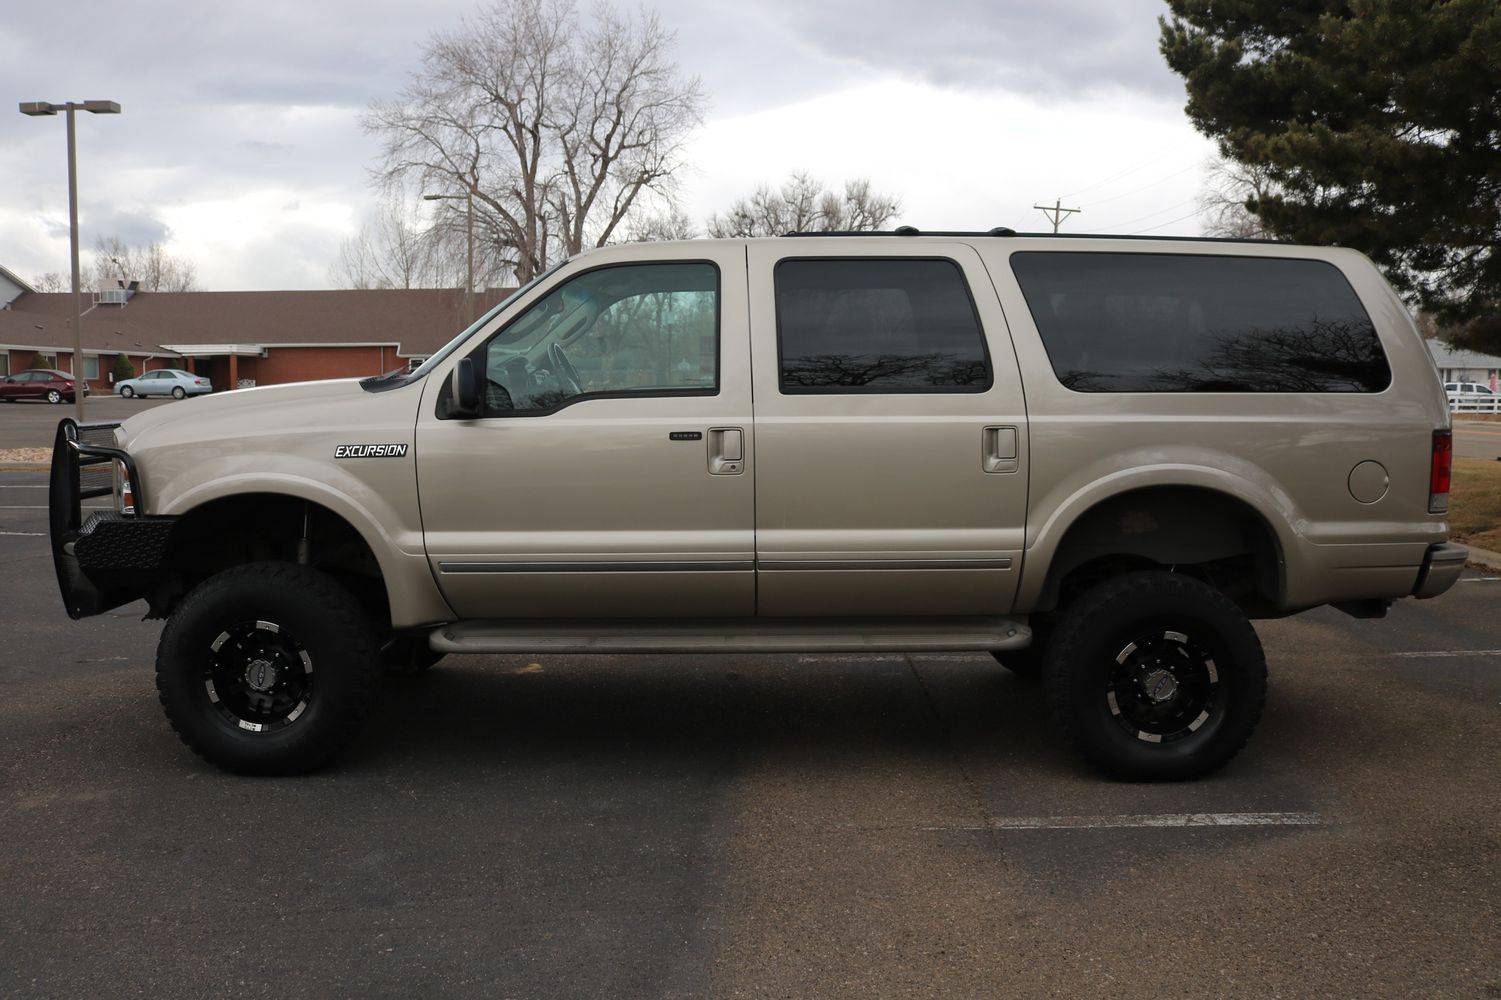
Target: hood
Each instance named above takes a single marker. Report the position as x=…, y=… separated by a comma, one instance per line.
x=260, y=407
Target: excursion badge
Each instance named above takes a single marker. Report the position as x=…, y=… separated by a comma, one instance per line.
x=370, y=451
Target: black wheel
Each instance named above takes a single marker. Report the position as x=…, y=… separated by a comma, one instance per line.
x=177, y=392
x=405, y=654
x=267, y=668
x=1155, y=676
x=127, y=391
x=53, y=396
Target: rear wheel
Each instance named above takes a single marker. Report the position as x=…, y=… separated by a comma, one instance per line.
x=1156, y=676
x=53, y=396
x=127, y=391
x=177, y=392
x=267, y=668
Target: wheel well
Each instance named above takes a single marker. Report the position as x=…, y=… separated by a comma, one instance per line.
x=257, y=527
x=1209, y=535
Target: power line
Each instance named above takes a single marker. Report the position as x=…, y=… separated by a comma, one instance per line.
x=1157, y=158
x=1153, y=215
x=1137, y=190
x=1056, y=213
x=1169, y=222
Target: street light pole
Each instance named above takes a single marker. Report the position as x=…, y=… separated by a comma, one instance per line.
x=469, y=199
x=41, y=108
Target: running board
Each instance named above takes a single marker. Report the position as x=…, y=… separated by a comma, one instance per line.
x=740, y=635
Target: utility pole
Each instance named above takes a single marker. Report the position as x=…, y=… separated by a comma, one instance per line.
x=1056, y=213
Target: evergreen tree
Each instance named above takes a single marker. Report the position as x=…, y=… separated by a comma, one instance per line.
x=1378, y=123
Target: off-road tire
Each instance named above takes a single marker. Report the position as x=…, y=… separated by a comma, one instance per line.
x=1097, y=641
x=334, y=639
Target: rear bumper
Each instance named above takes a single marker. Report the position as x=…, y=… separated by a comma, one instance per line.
x=1442, y=565
x=109, y=559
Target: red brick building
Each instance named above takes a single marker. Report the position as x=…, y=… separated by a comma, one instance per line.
x=235, y=337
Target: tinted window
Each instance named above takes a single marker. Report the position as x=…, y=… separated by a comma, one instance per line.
x=644, y=329
x=878, y=326
x=1117, y=322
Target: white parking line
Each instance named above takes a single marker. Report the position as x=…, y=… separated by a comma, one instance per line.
x=23, y=486
x=1451, y=652
x=32, y=534
x=895, y=657
x=1143, y=821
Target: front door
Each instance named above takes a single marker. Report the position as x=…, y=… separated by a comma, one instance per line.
x=891, y=456
x=610, y=474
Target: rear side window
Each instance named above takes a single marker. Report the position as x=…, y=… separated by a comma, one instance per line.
x=1126, y=322
x=877, y=325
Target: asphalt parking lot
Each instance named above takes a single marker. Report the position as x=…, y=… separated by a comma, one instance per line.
x=32, y=424
x=758, y=826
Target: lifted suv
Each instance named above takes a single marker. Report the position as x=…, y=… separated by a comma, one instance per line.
x=1097, y=458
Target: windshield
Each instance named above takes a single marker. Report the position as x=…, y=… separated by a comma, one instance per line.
x=401, y=377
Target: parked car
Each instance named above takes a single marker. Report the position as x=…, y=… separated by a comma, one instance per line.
x=1472, y=397
x=172, y=382
x=39, y=383
x=1097, y=458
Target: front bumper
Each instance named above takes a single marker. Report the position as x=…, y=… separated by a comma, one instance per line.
x=110, y=559
x=1441, y=567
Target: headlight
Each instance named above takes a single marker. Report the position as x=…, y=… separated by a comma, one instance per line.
x=125, y=501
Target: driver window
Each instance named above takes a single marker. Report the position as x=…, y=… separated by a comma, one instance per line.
x=638, y=329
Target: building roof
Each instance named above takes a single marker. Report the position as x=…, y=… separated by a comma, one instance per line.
x=15, y=280
x=417, y=321
x=1446, y=356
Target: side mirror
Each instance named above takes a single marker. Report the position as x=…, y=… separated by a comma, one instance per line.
x=464, y=391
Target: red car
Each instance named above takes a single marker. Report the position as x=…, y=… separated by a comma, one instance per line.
x=39, y=383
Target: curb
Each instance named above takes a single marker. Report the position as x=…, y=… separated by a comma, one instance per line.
x=23, y=467
x=1483, y=559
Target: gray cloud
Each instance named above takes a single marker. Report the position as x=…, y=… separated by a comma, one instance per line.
x=224, y=98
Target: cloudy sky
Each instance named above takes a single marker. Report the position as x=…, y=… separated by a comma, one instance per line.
x=240, y=145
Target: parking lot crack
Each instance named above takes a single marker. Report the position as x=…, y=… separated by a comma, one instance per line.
x=971, y=789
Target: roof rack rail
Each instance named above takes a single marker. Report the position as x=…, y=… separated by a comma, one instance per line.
x=1004, y=232
x=909, y=231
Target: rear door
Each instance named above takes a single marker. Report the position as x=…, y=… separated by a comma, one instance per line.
x=891, y=432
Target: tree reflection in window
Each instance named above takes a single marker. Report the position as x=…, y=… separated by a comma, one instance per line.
x=877, y=325
x=1200, y=323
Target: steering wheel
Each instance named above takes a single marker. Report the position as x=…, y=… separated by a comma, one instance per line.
x=568, y=376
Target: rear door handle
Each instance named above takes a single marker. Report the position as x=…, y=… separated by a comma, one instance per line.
x=726, y=451
x=998, y=449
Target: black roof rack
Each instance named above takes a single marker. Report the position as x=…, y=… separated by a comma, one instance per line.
x=1002, y=231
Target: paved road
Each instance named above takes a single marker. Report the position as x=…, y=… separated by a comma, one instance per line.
x=1477, y=439
x=767, y=826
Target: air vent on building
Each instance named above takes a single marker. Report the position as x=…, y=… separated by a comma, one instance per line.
x=115, y=296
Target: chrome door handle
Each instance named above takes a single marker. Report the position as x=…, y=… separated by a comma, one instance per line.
x=998, y=449
x=726, y=451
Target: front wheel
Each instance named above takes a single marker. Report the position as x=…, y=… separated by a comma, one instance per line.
x=53, y=396
x=267, y=668
x=177, y=392
x=127, y=391
x=1156, y=676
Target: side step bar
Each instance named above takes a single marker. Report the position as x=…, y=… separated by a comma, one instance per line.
x=740, y=635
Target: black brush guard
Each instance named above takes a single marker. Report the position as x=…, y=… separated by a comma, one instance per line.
x=111, y=558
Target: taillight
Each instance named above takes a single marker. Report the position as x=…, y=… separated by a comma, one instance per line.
x=1439, y=472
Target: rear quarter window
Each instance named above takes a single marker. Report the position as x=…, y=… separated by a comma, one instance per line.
x=1132, y=322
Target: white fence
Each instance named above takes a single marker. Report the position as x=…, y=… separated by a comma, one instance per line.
x=1475, y=404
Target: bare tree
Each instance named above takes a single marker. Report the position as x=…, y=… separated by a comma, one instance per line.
x=802, y=204
x=555, y=123
x=52, y=281
x=1229, y=198
x=157, y=270
x=672, y=224
x=393, y=250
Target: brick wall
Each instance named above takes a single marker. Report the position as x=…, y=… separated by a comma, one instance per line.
x=304, y=364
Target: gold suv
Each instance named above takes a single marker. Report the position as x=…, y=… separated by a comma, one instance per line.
x=1097, y=458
